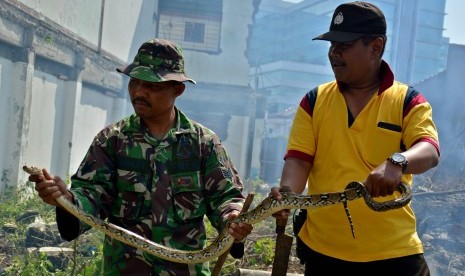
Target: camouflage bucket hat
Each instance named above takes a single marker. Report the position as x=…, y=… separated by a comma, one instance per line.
x=158, y=60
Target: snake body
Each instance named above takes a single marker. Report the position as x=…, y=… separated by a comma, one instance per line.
x=265, y=209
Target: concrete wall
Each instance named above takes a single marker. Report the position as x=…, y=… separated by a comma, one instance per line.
x=80, y=17
x=117, y=26
x=9, y=109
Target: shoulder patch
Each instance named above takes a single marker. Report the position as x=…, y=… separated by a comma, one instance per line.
x=220, y=154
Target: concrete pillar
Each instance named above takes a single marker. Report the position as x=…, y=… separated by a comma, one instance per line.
x=19, y=112
x=73, y=92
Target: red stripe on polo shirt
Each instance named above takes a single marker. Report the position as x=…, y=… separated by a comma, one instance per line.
x=306, y=106
x=299, y=155
x=431, y=141
x=419, y=99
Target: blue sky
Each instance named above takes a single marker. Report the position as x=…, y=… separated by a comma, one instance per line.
x=454, y=20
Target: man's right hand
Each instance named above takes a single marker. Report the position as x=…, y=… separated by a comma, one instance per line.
x=283, y=214
x=50, y=187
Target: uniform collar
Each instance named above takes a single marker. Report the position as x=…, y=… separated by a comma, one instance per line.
x=182, y=125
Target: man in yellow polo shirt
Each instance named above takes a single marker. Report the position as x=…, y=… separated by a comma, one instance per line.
x=366, y=127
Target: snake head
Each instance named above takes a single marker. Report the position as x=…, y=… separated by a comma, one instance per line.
x=32, y=170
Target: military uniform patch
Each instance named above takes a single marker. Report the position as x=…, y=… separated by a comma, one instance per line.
x=184, y=181
x=227, y=173
x=221, y=154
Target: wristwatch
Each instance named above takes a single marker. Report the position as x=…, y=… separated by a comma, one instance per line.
x=399, y=159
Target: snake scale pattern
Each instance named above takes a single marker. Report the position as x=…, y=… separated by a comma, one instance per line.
x=222, y=243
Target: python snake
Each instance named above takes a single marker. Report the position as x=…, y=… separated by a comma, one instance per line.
x=265, y=209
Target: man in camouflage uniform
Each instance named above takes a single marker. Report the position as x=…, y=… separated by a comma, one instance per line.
x=155, y=173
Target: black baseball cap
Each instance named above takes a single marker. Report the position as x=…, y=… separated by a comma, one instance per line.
x=353, y=20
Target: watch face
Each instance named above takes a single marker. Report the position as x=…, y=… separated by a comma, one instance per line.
x=397, y=157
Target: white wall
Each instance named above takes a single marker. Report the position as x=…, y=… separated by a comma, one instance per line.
x=45, y=119
x=81, y=17
x=7, y=110
x=92, y=114
x=126, y=23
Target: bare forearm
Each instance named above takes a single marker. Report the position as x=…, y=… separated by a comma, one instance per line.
x=295, y=174
x=421, y=157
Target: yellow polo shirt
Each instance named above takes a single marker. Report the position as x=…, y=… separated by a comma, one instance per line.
x=342, y=150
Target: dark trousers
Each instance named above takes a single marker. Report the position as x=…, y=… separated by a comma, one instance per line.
x=317, y=264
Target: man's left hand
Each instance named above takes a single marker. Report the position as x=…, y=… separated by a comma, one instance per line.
x=238, y=230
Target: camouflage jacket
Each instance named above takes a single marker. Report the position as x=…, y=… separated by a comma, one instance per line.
x=158, y=189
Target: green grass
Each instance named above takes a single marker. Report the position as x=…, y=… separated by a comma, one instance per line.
x=19, y=261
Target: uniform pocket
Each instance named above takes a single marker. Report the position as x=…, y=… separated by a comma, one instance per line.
x=132, y=194
x=188, y=196
x=386, y=140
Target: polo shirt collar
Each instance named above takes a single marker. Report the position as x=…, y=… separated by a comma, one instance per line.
x=387, y=77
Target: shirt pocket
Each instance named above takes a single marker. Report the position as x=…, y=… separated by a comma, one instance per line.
x=385, y=140
x=131, y=195
x=188, y=197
